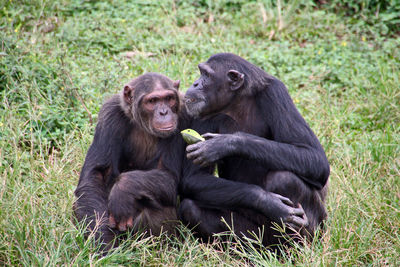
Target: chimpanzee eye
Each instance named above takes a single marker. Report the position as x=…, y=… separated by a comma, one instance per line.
x=205, y=73
x=152, y=100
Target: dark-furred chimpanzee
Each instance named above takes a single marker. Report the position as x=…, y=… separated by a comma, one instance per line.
x=132, y=169
x=273, y=166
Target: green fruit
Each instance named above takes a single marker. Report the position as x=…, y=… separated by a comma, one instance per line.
x=191, y=136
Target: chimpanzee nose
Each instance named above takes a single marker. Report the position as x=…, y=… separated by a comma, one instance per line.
x=163, y=112
x=189, y=100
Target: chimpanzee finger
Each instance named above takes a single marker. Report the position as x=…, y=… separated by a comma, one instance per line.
x=298, y=211
x=286, y=201
x=193, y=155
x=111, y=221
x=190, y=156
x=129, y=222
x=304, y=215
x=209, y=135
x=122, y=225
x=198, y=161
x=305, y=219
x=191, y=148
x=299, y=222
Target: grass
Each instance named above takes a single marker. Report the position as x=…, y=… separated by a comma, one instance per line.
x=60, y=59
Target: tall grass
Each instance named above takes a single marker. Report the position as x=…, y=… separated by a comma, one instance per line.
x=60, y=59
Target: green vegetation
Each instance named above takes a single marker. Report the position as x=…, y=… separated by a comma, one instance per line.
x=60, y=59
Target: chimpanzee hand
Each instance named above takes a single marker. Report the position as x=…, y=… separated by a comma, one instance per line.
x=277, y=208
x=215, y=147
x=125, y=206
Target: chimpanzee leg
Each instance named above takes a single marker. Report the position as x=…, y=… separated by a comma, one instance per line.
x=208, y=221
x=205, y=221
x=289, y=185
x=155, y=221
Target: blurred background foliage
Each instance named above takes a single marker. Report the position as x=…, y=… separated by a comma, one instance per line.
x=41, y=41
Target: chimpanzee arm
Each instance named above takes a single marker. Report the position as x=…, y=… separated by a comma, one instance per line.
x=198, y=184
x=98, y=175
x=307, y=162
x=92, y=193
x=293, y=147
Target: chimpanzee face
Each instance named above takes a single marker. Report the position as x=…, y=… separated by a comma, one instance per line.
x=152, y=102
x=213, y=91
x=160, y=107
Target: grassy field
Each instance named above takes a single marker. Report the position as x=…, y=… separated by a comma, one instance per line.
x=59, y=60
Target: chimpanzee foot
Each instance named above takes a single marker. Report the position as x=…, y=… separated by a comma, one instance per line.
x=298, y=219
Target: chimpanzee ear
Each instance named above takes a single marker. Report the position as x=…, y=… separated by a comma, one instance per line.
x=235, y=79
x=176, y=84
x=128, y=94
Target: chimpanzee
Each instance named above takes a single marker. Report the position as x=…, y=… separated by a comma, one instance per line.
x=273, y=167
x=132, y=169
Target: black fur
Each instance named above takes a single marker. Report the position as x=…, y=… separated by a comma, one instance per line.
x=140, y=170
x=269, y=159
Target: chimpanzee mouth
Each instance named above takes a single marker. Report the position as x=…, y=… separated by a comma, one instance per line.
x=190, y=101
x=166, y=127
x=195, y=107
